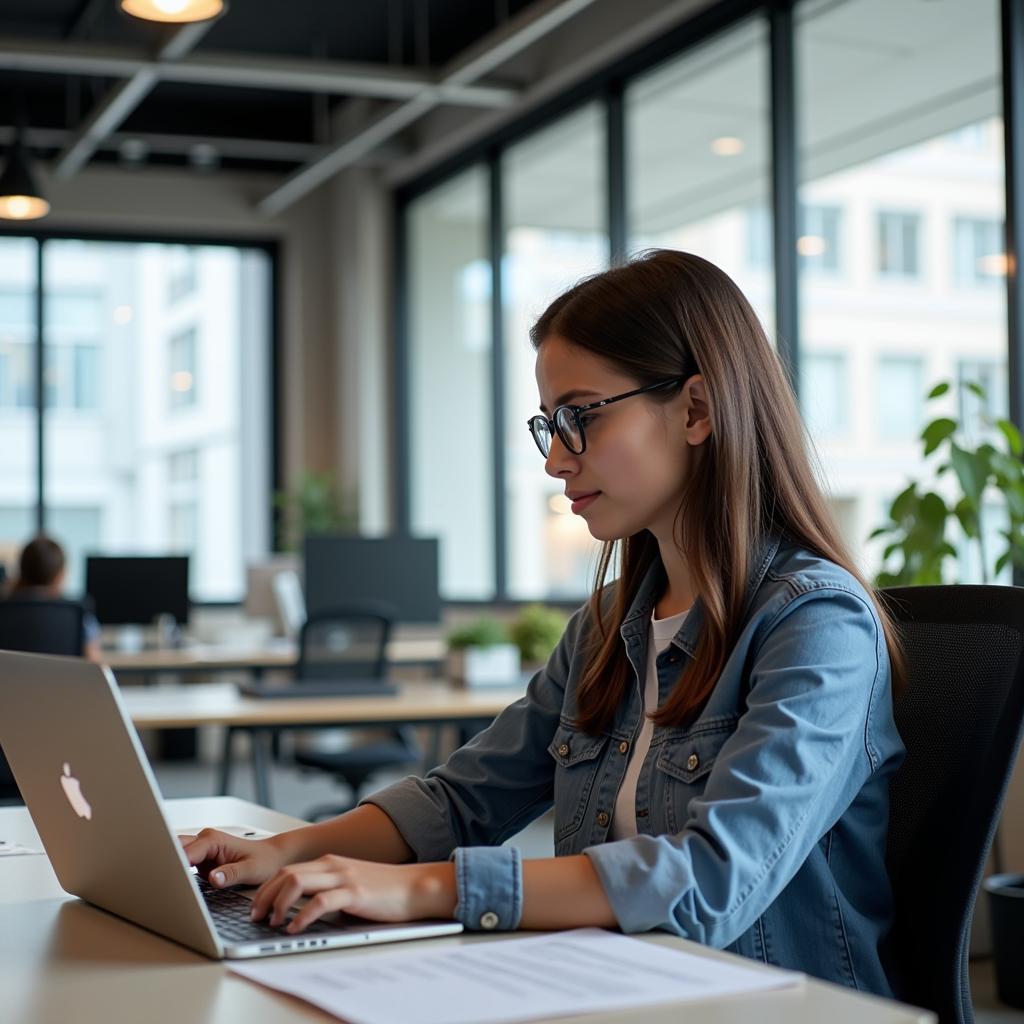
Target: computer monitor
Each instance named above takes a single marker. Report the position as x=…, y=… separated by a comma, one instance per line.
x=134, y=590
x=400, y=571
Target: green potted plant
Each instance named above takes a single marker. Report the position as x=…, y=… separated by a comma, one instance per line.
x=313, y=505
x=985, y=476
x=480, y=654
x=536, y=632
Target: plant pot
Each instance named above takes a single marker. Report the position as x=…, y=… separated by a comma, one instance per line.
x=495, y=665
x=1006, y=903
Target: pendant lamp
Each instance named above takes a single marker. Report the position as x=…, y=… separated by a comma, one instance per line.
x=178, y=11
x=21, y=198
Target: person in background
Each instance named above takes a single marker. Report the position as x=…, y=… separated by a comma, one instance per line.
x=41, y=574
x=715, y=729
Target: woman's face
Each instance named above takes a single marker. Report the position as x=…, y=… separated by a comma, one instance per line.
x=638, y=451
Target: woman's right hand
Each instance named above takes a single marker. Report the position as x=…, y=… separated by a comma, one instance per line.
x=226, y=860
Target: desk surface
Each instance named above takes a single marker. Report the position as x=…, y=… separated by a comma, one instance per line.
x=279, y=654
x=417, y=702
x=63, y=960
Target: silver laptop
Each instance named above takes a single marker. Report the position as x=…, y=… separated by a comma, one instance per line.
x=95, y=803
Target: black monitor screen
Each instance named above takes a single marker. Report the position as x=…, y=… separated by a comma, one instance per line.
x=135, y=590
x=399, y=571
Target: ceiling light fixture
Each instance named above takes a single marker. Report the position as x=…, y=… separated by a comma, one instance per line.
x=21, y=198
x=177, y=11
x=727, y=145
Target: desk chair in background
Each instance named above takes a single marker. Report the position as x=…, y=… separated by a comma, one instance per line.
x=961, y=720
x=334, y=645
x=351, y=643
x=37, y=626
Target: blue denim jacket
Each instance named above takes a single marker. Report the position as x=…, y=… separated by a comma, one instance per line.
x=762, y=822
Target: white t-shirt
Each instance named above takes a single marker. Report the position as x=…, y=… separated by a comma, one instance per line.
x=624, y=816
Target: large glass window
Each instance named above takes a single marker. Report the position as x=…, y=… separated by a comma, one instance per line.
x=914, y=168
x=137, y=458
x=451, y=421
x=698, y=159
x=18, y=417
x=556, y=233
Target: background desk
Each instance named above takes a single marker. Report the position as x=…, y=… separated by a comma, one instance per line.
x=62, y=960
x=208, y=658
x=417, y=703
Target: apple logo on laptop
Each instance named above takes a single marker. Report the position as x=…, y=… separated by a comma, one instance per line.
x=73, y=791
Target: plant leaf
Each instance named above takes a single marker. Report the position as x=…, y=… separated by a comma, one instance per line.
x=1012, y=435
x=939, y=389
x=936, y=432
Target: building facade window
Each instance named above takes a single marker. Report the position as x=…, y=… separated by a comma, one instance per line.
x=182, y=358
x=825, y=396
x=979, y=256
x=899, y=244
x=819, y=241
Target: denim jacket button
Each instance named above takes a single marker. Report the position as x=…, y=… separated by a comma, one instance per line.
x=563, y=750
x=603, y=819
x=489, y=921
x=691, y=762
x=623, y=747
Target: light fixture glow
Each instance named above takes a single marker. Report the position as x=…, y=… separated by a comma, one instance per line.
x=995, y=264
x=177, y=11
x=181, y=381
x=20, y=197
x=811, y=245
x=727, y=145
x=122, y=315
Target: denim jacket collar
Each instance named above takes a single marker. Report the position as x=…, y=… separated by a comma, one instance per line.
x=639, y=615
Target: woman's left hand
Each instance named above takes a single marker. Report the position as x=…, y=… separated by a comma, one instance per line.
x=378, y=892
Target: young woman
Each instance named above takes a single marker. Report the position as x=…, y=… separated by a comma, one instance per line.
x=715, y=728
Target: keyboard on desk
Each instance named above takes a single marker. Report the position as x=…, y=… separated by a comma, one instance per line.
x=230, y=912
x=320, y=688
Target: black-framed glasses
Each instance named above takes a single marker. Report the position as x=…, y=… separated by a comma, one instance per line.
x=567, y=420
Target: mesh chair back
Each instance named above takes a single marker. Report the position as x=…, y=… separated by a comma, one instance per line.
x=961, y=719
x=345, y=643
x=40, y=627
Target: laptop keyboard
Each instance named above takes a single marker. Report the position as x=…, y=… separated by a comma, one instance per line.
x=230, y=912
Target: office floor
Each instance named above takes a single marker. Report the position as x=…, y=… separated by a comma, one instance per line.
x=296, y=792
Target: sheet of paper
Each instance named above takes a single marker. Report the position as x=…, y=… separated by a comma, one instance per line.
x=503, y=981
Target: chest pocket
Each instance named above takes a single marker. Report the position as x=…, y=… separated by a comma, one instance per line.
x=577, y=758
x=683, y=765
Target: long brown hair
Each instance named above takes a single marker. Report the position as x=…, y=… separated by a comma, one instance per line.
x=666, y=314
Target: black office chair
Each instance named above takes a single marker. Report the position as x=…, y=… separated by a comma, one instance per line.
x=39, y=626
x=961, y=721
x=351, y=643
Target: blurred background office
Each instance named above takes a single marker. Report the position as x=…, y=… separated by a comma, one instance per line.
x=289, y=260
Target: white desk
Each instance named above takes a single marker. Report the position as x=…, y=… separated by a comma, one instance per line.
x=64, y=962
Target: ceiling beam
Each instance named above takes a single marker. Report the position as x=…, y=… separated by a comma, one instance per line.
x=497, y=47
x=231, y=147
x=119, y=103
x=257, y=71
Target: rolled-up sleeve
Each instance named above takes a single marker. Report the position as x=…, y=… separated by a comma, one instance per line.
x=495, y=785
x=798, y=758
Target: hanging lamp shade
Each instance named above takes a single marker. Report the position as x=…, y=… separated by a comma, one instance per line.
x=178, y=11
x=21, y=198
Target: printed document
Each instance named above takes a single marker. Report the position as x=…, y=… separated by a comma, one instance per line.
x=506, y=980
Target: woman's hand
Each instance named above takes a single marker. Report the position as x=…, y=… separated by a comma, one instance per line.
x=227, y=860
x=379, y=892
